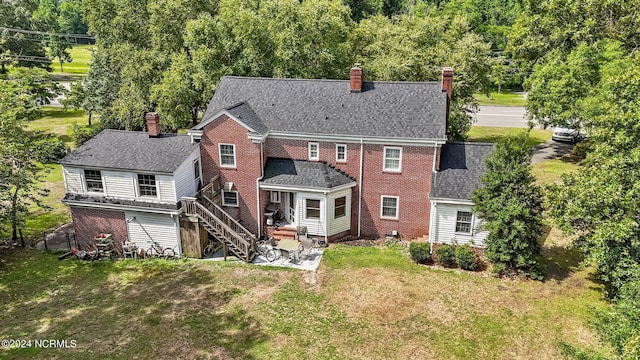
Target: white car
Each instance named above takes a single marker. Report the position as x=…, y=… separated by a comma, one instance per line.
x=566, y=134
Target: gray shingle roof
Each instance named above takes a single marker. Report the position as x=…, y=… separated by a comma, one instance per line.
x=414, y=110
x=132, y=150
x=288, y=172
x=244, y=113
x=461, y=165
x=117, y=201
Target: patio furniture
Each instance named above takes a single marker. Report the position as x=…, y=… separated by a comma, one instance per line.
x=301, y=232
x=305, y=248
x=290, y=247
x=130, y=250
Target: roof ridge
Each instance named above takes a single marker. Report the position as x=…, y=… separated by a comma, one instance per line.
x=431, y=82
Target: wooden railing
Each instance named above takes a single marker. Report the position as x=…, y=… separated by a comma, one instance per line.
x=223, y=226
x=211, y=191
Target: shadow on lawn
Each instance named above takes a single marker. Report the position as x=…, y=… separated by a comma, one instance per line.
x=151, y=309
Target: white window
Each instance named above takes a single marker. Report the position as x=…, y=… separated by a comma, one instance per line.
x=389, y=207
x=341, y=153
x=392, y=159
x=275, y=196
x=93, y=180
x=340, y=207
x=227, y=155
x=463, y=222
x=196, y=169
x=312, y=209
x=147, y=185
x=230, y=198
x=314, y=151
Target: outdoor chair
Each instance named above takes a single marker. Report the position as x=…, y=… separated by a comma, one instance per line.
x=301, y=232
x=129, y=250
x=305, y=248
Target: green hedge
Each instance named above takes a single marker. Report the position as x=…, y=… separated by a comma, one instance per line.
x=419, y=252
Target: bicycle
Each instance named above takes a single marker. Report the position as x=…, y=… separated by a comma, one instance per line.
x=155, y=250
x=264, y=248
x=212, y=247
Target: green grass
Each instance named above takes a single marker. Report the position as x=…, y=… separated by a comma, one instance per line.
x=504, y=98
x=59, y=121
x=550, y=171
x=363, y=303
x=491, y=134
x=80, y=58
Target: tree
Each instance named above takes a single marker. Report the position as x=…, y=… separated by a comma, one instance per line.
x=20, y=172
x=510, y=205
x=16, y=45
x=37, y=84
x=600, y=202
x=58, y=49
x=78, y=98
x=70, y=18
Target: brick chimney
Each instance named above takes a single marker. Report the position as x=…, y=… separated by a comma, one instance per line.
x=355, y=74
x=447, y=85
x=153, y=124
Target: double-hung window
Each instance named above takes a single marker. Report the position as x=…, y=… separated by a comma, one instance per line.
x=340, y=207
x=312, y=209
x=314, y=151
x=196, y=169
x=389, y=207
x=463, y=222
x=392, y=159
x=227, y=155
x=93, y=180
x=230, y=198
x=275, y=197
x=147, y=185
x=341, y=153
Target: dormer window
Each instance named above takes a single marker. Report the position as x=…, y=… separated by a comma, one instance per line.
x=93, y=180
x=147, y=185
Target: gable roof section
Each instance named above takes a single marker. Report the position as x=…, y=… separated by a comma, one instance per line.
x=414, y=110
x=301, y=173
x=461, y=165
x=132, y=150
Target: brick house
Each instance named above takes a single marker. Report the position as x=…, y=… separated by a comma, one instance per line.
x=338, y=157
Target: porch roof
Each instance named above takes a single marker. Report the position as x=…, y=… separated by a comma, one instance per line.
x=301, y=173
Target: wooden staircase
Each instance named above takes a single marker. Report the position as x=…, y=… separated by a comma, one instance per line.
x=221, y=225
x=284, y=233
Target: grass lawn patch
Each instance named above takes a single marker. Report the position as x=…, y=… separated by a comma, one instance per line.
x=550, y=171
x=59, y=121
x=363, y=303
x=504, y=98
x=493, y=133
x=80, y=58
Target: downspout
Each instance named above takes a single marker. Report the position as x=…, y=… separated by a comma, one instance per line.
x=360, y=188
x=258, y=188
x=433, y=204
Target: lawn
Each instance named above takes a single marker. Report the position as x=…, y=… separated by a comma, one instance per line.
x=550, y=171
x=492, y=134
x=363, y=303
x=80, y=58
x=504, y=98
x=59, y=121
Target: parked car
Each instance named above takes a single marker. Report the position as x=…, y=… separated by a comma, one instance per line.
x=567, y=134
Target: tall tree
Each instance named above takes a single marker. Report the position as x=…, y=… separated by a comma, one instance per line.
x=16, y=45
x=510, y=205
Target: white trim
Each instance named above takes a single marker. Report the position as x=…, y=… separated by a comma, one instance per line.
x=118, y=207
x=137, y=187
x=345, y=153
x=356, y=139
x=455, y=225
x=193, y=168
x=432, y=221
x=452, y=201
x=305, y=189
x=397, y=207
x=334, y=207
x=304, y=209
x=85, y=188
x=271, y=197
x=235, y=163
x=317, y=145
x=384, y=159
x=215, y=116
x=237, y=204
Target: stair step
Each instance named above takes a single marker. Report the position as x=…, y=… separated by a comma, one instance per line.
x=280, y=237
x=285, y=232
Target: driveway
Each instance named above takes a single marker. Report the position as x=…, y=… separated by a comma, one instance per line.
x=501, y=116
x=550, y=150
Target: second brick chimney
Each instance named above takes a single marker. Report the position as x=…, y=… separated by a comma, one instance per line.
x=153, y=124
x=355, y=75
x=447, y=81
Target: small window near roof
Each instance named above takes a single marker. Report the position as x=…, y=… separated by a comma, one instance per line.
x=230, y=198
x=227, y=155
x=341, y=153
x=392, y=159
x=147, y=185
x=463, y=222
x=314, y=151
x=93, y=180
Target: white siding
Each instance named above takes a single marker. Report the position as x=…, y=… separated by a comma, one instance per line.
x=147, y=226
x=314, y=226
x=343, y=223
x=119, y=184
x=444, y=230
x=72, y=179
x=166, y=187
x=185, y=183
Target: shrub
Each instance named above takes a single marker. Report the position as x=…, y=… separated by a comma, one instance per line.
x=466, y=258
x=445, y=255
x=419, y=252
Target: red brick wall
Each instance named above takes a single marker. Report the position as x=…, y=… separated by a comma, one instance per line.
x=248, y=166
x=90, y=222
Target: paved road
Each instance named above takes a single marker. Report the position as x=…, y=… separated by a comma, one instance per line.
x=502, y=116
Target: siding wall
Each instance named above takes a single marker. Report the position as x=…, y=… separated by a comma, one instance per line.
x=160, y=228
x=72, y=179
x=314, y=226
x=119, y=184
x=185, y=184
x=166, y=188
x=343, y=223
x=445, y=226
